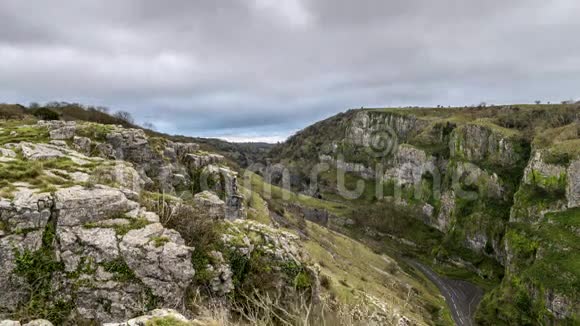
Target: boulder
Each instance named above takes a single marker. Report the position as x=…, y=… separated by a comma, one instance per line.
x=160, y=259
x=77, y=242
x=121, y=174
x=164, y=317
x=28, y=210
x=59, y=129
x=182, y=149
x=82, y=144
x=65, y=132
x=37, y=152
x=4, y=152
x=211, y=204
x=78, y=205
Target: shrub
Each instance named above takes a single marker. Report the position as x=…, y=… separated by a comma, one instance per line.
x=45, y=114
x=8, y=111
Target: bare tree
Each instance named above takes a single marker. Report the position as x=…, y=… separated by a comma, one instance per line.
x=149, y=125
x=124, y=116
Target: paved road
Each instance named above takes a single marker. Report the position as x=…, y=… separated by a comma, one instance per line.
x=462, y=297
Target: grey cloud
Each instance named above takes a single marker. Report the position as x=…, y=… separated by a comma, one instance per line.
x=221, y=68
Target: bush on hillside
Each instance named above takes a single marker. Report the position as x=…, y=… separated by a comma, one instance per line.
x=46, y=114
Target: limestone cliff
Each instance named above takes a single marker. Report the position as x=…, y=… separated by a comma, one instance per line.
x=501, y=182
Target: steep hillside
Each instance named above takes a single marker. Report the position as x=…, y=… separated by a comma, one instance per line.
x=495, y=188
x=104, y=223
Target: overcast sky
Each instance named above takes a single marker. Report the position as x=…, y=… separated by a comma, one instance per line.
x=262, y=69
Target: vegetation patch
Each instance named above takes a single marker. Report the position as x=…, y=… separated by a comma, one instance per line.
x=166, y=321
x=119, y=268
x=37, y=269
x=159, y=241
x=134, y=224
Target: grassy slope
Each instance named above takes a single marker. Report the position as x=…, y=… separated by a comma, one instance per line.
x=352, y=267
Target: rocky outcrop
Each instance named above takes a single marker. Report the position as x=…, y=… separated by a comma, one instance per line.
x=163, y=317
x=445, y=215
x=201, y=160
x=554, y=181
x=409, y=165
x=478, y=143
x=573, y=185
x=160, y=259
x=211, y=204
x=78, y=205
x=121, y=174
x=116, y=258
x=221, y=283
x=82, y=145
x=366, y=125
x=59, y=130
x=40, y=152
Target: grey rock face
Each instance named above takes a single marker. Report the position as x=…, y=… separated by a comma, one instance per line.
x=573, y=188
x=160, y=260
x=4, y=152
x=560, y=306
x=222, y=282
x=367, y=125
x=40, y=151
x=78, y=205
x=82, y=144
x=478, y=143
x=76, y=242
x=198, y=161
x=468, y=174
x=130, y=145
x=28, y=210
x=446, y=211
x=538, y=166
x=65, y=132
x=59, y=129
x=14, y=290
x=409, y=165
x=121, y=174
x=182, y=149
x=211, y=204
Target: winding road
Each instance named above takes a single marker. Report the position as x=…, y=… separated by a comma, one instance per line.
x=462, y=297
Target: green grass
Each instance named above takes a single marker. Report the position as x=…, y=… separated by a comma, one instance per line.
x=94, y=131
x=166, y=321
x=257, y=206
x=159, y=241
x=31, y=172
x=37, y=269
x=134, y=224
x=24, y=133
x=271, y=192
